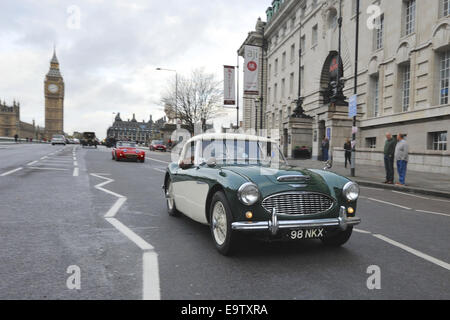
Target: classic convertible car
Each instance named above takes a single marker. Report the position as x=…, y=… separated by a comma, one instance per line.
x=127, y=151
x=242, y=184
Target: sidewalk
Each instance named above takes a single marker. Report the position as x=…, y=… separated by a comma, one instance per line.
x=373, y=176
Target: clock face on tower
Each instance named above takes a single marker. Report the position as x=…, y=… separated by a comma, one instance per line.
x=53, y=88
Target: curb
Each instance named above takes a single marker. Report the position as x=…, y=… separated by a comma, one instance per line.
x=429, y=192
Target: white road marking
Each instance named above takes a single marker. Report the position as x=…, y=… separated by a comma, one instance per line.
x=9, y=172
x=44, y=157
x=75, y=172
x=390, y=203
x=438, y=213
x=150, y=270
x=75, y=163
x=411, y=195
x=361, y=231
x=43, y=168
x=415, y=252
x=31, y=163
x=157, y=160
x=441, y=200
x=363, y=187
x=161, y=170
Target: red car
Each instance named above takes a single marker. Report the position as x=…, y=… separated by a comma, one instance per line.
x=127, y=151
x=157, y=145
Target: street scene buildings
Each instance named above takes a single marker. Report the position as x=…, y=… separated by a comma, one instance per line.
x=403, y=77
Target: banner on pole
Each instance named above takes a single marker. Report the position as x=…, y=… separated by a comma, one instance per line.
x=251, y=70
x=352, y=106
x=229, y=90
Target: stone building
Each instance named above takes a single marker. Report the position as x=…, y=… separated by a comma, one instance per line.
x=10, y=123
x=54, y=99
x=403, y=76
x=133, y=130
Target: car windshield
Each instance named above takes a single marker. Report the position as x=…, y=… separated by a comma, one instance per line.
x=56, y=136
x=242, y=152
x=126, y=145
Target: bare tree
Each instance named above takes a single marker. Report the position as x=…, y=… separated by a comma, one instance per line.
x=199, y=96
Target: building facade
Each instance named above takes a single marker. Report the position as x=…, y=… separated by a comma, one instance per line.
x=54, y=99
x=403, y=76
x=132, y=130
x=10, y=123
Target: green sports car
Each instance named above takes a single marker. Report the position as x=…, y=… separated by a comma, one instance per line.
x=240, y=184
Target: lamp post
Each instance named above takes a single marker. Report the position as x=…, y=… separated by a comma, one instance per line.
x=176, y=91
x=257, y=101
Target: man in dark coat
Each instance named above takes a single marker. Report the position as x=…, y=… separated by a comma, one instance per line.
x=389, y=152
x=348, y=152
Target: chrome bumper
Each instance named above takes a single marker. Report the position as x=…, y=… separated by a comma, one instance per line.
x=274, y=224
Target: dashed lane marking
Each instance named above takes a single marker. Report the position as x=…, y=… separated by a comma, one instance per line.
x=415, y=252
x=432, y=212
x=157, y=160
x=411, y=195
x=44, y=168
x=160, y=170
x=31, y=163
x=390, y=203
x=9, y=172
x=75, y=172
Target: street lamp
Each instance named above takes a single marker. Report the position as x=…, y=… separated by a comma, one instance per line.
x=176, y=91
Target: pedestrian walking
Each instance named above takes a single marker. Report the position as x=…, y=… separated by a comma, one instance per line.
x=325, y=148
x=389, y=153
x=401, y=158
x=16, y=137
x=348, y=152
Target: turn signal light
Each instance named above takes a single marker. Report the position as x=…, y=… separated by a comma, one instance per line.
x=350, y=210
x=248, y=215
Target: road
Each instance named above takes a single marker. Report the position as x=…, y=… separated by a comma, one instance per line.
x=66, y=207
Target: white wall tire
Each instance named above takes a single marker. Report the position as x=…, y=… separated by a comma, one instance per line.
x=170, y=201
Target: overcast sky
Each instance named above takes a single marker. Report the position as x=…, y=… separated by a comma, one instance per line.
x=108, y=60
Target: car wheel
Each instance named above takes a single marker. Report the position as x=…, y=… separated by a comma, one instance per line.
x=171, y=207
x=337, y=238
x=143, y=160
x=117, y=158
x=220, y=224
x=113, y=156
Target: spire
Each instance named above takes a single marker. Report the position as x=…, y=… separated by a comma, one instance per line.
x=134, y=118
x=54, y=58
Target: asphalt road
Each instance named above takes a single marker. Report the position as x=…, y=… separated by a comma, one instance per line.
x=68, y=206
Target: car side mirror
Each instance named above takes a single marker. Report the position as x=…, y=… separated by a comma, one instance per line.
x=211, y=162
x=328, y=165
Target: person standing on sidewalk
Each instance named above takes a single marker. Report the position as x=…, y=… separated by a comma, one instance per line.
x=348, y=152
x=401, y=158
x=325, y=148
x=16, y=137
x=389, y=153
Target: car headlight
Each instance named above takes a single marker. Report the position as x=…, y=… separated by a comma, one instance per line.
x=248, y=193
x=351, y=191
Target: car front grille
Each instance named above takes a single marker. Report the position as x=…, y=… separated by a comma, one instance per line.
x=298, y=203
x=131, y=156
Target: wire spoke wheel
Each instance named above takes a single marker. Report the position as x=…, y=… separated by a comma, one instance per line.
x=219, y=221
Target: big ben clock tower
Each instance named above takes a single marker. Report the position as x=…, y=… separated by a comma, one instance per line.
x=54, y=99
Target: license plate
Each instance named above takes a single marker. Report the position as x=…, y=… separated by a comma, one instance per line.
x=301, y=234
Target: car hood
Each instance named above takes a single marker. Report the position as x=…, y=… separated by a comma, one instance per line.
x=266, y=179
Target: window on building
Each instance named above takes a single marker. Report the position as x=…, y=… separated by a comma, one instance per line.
x=406, y=80
x=275, y=93
x=445, y=8
x=444, y=70
x=293, y=53
x=314, y=4
x=293, y=22
x=283, y=61
x=270, y=71
x=276, y=66
x=410, y=16
x=303, y=10
x=332, y=19
x=283, y=88
x=375, y=96
x=437, y=140
x=371, y=142
x=291, y=83
x=354, y=7
x=269, y=94
x=379, y=32
x=314, y=37
x=303, y=43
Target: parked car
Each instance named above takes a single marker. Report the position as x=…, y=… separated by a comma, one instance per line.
x=125, y=150
x=157, y=145
x=89, y=140
x=237, y=183
x=58, y=139
x=76, y=141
